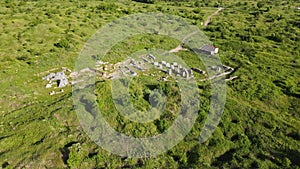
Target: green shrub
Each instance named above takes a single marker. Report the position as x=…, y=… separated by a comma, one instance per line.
x=64, y=43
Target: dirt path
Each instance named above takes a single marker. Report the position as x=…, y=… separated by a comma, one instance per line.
x=219, y=75
x=179, y=48
x=209, y=18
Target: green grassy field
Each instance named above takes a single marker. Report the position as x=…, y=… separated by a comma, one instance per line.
x=260, y=126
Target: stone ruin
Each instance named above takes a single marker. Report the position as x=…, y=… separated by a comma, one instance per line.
x=151, y=57
x=219, y=68
x=125, y=70
x=59, y=79
x=198, y=70
x=132, y=67
x=174, y=68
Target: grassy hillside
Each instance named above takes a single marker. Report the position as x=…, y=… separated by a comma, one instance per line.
x=260, y=126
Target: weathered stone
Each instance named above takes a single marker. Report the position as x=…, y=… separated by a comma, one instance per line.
x=48, y=86
x=168, y=65
x=169, y=71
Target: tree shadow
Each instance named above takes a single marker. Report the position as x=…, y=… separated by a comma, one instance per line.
x=224, y=158
x=292, y=155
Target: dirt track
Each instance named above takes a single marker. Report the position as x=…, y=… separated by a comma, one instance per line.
x=209, y=18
